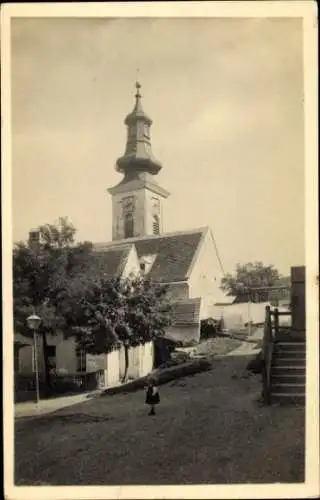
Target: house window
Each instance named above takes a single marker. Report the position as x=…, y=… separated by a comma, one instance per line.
x=142, y=267
x=81, y=360
x=156, y=224
x=128, y=225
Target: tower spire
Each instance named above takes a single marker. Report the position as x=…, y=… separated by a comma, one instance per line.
x=138, y=156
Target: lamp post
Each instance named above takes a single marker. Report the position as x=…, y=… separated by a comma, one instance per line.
x=33, y=323
x=249, y=313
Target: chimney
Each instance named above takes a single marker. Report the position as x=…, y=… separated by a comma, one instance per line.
x=34, y=239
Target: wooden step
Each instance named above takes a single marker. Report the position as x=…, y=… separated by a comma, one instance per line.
x=288, y=370
x=290, y=347
x=284, y=361
x=288, y=399
x=289, y=354
x=285, y=388
x=290, y=378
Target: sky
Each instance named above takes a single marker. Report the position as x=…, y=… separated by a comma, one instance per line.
x=226, y=99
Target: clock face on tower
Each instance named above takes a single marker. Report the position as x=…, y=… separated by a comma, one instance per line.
x=128, y=204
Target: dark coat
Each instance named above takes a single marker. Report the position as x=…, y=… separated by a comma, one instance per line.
x=152, y=396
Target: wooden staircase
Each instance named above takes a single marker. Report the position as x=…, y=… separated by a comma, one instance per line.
x=288, y=372
x=284, y=362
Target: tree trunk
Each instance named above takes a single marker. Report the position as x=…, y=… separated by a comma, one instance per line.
x=126, y=359
x=48, y=385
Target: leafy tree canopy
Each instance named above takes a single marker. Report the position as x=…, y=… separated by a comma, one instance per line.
x=121, y=311
x=250, y=275
x=43, y=271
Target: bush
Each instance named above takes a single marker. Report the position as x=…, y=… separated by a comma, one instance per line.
x=210, y=328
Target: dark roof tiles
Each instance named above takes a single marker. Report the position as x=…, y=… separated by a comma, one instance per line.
x=174, y=253
x=186, y=313
x=110, y=262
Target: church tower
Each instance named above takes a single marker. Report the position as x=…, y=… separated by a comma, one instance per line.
x=137, y=199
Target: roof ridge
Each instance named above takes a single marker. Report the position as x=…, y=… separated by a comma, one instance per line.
x=112, y=247
x=128, y=241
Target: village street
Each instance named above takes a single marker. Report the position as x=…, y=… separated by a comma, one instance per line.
x=209, y=428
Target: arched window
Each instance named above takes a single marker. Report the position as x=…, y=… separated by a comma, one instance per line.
x=128, y=225
x=156, y=224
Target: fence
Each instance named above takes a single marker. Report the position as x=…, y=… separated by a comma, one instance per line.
x=25, y=385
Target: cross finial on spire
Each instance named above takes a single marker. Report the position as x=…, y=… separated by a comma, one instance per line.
x=138, y=87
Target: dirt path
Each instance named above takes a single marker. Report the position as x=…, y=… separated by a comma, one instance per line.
x=209, y=429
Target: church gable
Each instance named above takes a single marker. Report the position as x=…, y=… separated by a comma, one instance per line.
x=205, y=273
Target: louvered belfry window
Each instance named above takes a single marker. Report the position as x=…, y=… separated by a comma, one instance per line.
x=128, y=225
x=156, y=224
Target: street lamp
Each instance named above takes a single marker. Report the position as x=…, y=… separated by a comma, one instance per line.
x=33, y=323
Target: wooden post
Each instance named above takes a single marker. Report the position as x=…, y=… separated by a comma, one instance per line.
x=298, y=329
x=276, y=323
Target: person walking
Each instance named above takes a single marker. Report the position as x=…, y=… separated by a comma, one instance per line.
x=152, y=396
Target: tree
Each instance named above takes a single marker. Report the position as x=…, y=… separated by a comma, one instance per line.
x=251, y=275
x=121, y=312
x=59, y=281
x=42, y=273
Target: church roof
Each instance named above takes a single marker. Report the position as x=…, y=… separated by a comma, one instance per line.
x=111, y=262
x=174, y=252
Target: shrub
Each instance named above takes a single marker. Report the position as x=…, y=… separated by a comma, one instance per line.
x=210, y=328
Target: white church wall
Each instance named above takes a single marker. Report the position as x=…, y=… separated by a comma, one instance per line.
x=206, y=276
x=132, y=266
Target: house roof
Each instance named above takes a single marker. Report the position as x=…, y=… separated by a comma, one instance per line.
x=21, y=340
x=186, y=313
x=175, y=253
x=111, y=262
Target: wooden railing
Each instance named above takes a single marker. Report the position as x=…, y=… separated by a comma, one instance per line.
x=271, y=333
